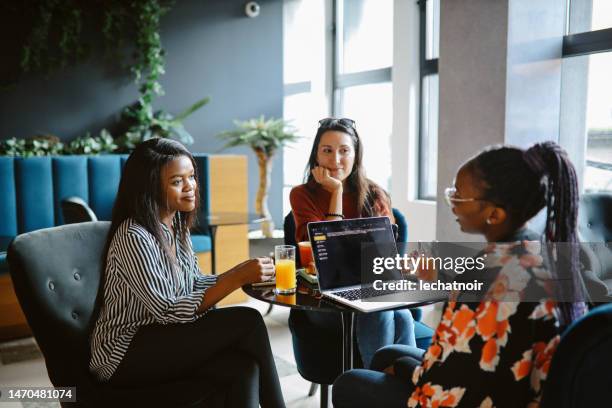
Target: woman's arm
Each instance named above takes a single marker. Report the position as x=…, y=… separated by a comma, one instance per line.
x=251, y=271
x=334, y=187
x=305, y=209
x=335, y=205
x=140, y=266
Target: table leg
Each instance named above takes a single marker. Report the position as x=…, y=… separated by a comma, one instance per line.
x=213, y=262
x=347, y=340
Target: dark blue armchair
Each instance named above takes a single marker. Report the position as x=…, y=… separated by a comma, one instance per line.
x=579, y=375
x=318, y=350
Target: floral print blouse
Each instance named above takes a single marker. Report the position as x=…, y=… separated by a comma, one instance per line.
x=495, y=353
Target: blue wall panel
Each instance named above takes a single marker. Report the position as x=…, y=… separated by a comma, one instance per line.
x=8, y=199
x=104, y=176
x=34, y=187
x=69, y=180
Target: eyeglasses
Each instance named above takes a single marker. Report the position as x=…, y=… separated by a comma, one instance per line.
x=329, y=122
x=451, y=192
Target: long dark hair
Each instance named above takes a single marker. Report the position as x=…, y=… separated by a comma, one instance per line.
x=140, y=194
x=366, y=190
x=523, y=182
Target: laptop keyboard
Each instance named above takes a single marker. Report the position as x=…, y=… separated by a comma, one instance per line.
x=362, y=293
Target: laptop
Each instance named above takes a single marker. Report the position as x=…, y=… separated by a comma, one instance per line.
x=337, y=250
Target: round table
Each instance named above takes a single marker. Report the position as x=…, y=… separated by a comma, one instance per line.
x=306, y=299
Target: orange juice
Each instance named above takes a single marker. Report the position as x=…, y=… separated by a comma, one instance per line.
x=285, y=276
x=287, y=299
x=306, y=257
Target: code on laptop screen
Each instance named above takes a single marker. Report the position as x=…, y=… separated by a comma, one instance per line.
x=337, y=248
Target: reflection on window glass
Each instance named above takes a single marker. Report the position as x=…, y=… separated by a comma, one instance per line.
x=428, y=149
x=303, y=62
x=303, y=22
x=432, y=39
x=598, y=170
x=304, y=112
x=370, y=107
x=590, y=15
x=367, y=35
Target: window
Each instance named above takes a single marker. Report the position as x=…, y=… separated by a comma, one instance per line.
x=428, y=125
x=587, y=85
x=337, y=62
x=589, y=15
x=363, y=55
x=304, y=78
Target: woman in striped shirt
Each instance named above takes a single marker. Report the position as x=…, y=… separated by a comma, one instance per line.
x=155, y=322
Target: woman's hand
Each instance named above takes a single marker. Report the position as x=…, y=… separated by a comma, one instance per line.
x=255, y=270
x=427, y=274
x=322, y=176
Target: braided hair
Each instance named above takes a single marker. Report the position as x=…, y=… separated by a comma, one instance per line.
x=523, y=182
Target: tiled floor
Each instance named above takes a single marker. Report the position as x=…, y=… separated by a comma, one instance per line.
x=295, y=388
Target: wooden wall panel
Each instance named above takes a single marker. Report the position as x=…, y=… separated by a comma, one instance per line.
x=13, y=323
x=229, y=193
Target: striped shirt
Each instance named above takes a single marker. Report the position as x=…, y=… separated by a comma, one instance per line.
x=142, y=288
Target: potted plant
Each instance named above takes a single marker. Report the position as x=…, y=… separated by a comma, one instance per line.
x=265, y=137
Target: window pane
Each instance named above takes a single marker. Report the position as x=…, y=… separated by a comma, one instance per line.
x=432, y=44
x=428, y=146
x=367, y=35
x=303, y=39
x=590, y=15
x=598, y=171
x=304, y=111
x=591, y=119
x=370, y=107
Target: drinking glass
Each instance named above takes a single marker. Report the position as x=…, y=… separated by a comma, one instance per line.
x=306, y=257
x=284, y=256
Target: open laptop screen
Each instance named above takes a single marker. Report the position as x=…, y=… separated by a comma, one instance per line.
x=337, y=248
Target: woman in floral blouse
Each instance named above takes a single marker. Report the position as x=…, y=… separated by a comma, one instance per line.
x=496, y=352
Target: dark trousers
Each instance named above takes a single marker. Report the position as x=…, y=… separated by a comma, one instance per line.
x=229, y=347
x=374, y=388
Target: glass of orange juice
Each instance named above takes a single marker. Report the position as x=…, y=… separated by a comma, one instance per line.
x=287, y=299
x=285, y=269
x=306, y=257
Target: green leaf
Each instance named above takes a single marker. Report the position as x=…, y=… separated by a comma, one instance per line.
x=181, y=116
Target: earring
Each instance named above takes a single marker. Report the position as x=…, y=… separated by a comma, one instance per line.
x=488, y=221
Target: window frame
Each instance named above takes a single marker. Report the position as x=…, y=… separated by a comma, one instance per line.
x=427, y=67
x=585, y=44
x=341, y=81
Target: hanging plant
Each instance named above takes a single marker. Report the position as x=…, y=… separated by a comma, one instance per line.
x=56, y=39
x=114, y=29
x=150, y=60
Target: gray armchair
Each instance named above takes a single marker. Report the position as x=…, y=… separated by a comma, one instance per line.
x=56, y=274
x=595, y=229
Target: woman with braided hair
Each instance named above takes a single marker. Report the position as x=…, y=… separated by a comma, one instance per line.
x=495, y=352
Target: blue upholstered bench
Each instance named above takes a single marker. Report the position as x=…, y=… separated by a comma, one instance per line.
x=31, y=190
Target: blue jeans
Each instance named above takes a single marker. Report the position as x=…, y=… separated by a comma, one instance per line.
x=369, y=388
x=376, y=330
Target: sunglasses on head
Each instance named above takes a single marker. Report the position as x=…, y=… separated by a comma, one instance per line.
x=329, y=122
